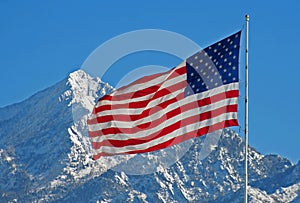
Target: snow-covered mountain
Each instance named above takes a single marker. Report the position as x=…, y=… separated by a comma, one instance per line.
x=45, y=156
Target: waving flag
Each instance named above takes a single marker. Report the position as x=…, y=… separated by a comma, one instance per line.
x=197, y=97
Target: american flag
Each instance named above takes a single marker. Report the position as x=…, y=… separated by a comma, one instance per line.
x=197, y=97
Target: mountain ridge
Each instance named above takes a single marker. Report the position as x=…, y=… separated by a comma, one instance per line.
x=45, y=156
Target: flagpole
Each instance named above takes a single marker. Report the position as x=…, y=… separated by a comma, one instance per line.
x=246, y=110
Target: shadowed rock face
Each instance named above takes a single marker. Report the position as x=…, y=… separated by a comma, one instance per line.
x=45, y=156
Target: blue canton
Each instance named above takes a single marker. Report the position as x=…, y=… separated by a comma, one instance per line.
x=214, y=66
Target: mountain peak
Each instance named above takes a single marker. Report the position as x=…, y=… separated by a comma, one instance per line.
x=80, y=74
x=84, y=90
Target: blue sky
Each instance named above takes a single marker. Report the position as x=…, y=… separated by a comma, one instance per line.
x=41, y=43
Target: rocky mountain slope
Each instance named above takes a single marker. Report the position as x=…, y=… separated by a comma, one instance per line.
x=45, y=156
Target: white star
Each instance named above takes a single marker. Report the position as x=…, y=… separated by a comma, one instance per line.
x=197, y=67
x=234, y=57
x=211, y=80
x=198, y=80
x=215, y=50
x=229, y=63
x=216, y=84
x=196, y=57
x=219, y=44
x=226, y=49
x=192, y=74
x=230, y=52
x=193, y=86
x=206, y=64
x=216, y=73
x=229, y=74
x=237, y=35
x=225, y=59
x=225, y=70
x=228, y=40
x=209, y=47
x=233, y=68
x=205, y=54
x=233, y=79
x=220, y=66
x=235, y=46
x=197, y=90
x=231, y=42
x=222, y=56
x=201, y=60
x=209, y=67
x=224, y=81
x=204, y=73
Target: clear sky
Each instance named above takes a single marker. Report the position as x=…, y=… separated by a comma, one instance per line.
x=41, y=42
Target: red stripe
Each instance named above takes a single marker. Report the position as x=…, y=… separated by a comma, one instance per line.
x=179, y=139
x=148, y=90
x=169, y=115
x=140, y=104
x=184, y=137
x=130, y=95
x=151, y=111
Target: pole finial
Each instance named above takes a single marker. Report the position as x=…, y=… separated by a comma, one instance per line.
x=247, y=17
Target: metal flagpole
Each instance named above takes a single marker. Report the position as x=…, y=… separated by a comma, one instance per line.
x=246, y=110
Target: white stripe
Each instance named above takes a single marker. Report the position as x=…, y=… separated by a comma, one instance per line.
x=164, y=124
x=165, y=138
x=136, y=111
